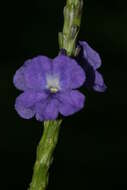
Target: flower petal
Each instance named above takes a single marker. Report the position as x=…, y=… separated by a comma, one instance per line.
x=47, y=110
x=24, y=112
x=19, y=80
x=99, y=84
x=71, y=75
x=70, y=102
x=90, y=72
x=91, y=56
x=35, y=73
x=25, y=103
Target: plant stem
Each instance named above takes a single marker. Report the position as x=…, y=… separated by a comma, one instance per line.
x=44, y=155
x=45, y=149
x=72, y=21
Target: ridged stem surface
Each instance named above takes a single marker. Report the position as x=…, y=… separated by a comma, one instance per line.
x=72, y=21
x=44, y=155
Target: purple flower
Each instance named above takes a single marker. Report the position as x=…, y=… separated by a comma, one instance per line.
x=49, y=87
x=90, y=60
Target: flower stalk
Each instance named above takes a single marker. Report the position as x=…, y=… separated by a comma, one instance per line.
x=45, y=149
x=72, y=21
x=44, y=155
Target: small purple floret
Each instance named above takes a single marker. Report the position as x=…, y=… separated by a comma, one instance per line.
x=90, y=60
x=49, y=87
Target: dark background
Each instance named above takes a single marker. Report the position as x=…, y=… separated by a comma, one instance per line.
x=92, y=148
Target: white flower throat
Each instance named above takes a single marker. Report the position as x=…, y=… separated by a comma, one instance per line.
x=53, y=83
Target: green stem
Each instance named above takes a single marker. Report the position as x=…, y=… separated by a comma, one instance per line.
x=72, y=21
x=67, y=41
x=44, y=155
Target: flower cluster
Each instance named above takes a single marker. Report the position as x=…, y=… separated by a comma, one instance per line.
x=50, y=85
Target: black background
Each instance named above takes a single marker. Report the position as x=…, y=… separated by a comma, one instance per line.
x=92, y=148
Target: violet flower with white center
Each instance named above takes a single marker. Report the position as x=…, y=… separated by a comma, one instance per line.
x=49, y=88
x=90, y=60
